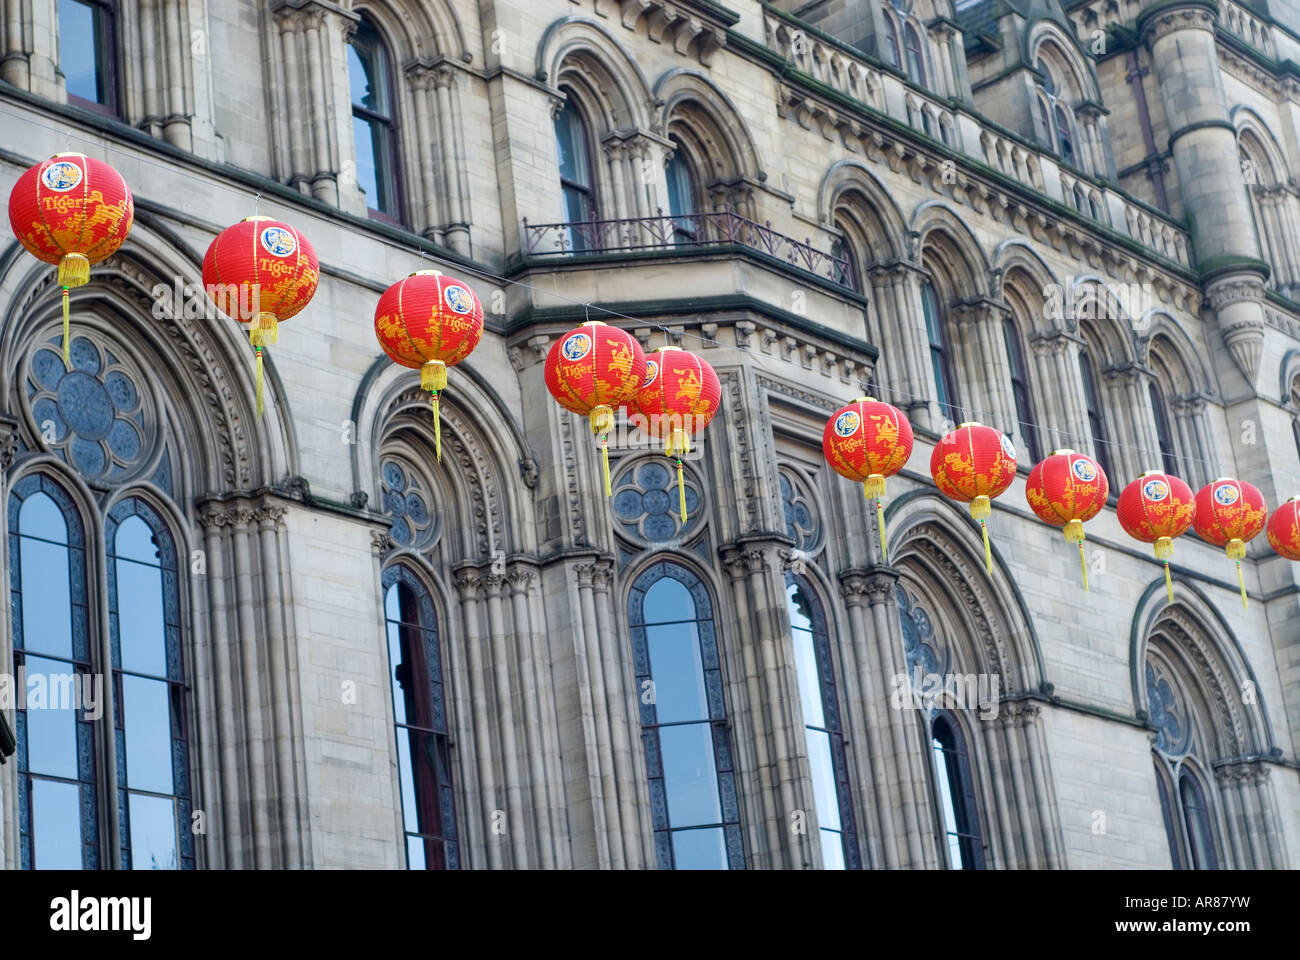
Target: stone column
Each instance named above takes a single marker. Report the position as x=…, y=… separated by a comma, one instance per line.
x=455, y=232
x=987, y=368
x=532, y=681
x=468, y=585
x=918, y=388
x=30, y=56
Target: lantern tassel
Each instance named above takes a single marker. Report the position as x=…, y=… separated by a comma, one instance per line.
x=1241, y=582
x=261, y=406
x=604, y=454
x=67, y=346
x=980, y=508
x=880, y=522
x=681, y=489
x=1083, y=566
x=988, y=551
x=1169, y=584
x=437, y=427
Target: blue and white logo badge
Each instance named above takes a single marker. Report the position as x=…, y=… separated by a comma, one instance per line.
x=651, y=373
x=279, y=241
x=847, y=423
x=458, y=298
x=576, y=347
x=1084, y=470
x=1227, y=494
x=61, y=176
x=1155, y=490
x=1007, y=448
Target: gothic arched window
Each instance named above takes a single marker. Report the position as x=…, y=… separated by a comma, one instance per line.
x=420, y=716
x=1020, y=387
x=1196, y=820
x=1164, y=435
x=374, y=124
x=151, y=738
x=683, y=199
x=940, y=358
x=1096, y=420
x=915, y=57
x=576, y=183
x=892, y=53
x=815, y=670
x=58, y=818
x=956, y=795
x=694, y=808
x=86, y=54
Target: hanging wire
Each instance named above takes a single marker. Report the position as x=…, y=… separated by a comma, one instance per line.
x=880, y=391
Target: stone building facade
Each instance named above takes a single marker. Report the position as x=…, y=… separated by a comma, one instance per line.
x=324, y=648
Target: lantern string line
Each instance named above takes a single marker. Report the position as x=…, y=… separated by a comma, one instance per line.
x=889, y=394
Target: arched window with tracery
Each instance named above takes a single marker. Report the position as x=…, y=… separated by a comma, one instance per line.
x=695, y=811
x=577, y=184
x=374, y=122
x=415, y=679
x=823, y=735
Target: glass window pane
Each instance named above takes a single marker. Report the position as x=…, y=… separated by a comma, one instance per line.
x=81, y=50
x=395, y=659
x=363, y=135
x=681, y=191
x=690, y=776
x=56, y=825
x=832, y=850
x=668, y=601
x=153, y=833
x=147, y=717
x=946, y=805
x=415, y=854
x=134, y=541
x=570, y=139
x=678, y=673
x=51, y=721
x=41, y=517
x=700, y=849
x=825, y=794
x=140, y=617
x=368, y=71
x=406, y=780
x=47, y=599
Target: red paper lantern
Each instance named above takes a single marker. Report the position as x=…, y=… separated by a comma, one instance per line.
x=593, y=370
x=1066, y=490
x=429, y=322
x=74, y=211
x=1229, y=514
x=678, y=397
x=1284, y=529
x=866, y=442
x=974, y=464
x=260, y=271
x=1155, y=508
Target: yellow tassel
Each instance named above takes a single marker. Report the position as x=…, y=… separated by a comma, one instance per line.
x=433, y=376
x=260, y=405
x=1241, y=582
x=981, y=507
x=67, y=345
x=1164, y=548
x=1083, y=565
x=264, y=330
x=1169, y=584
x=604, y=454
x=1073, y=531
x=880, y=521
x=874, y=486
x=681, y=490
x=601, y=419
x=988, y=551
x=74, y=270
x=437, y=428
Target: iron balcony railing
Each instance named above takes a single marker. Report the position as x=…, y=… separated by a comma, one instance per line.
x=696, y=230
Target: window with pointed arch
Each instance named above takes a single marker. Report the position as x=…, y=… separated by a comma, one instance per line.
x=1184, y=801
x=694, y=808
x=1056, y=116
x=1164, y=433
x=815, y=669
x=420, y=718
x=374, y=122
x=60, y=734
x=904, y=40
x=683, y=196
x=1020, y=387
x=953, y=781
x=577, y=184
x=1096, y=418
x=940, y=355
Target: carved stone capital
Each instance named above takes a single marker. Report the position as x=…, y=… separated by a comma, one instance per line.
x=1233, y=290
x=875, y=586
x=8, y=442
x=381, y=542
x=740, y=562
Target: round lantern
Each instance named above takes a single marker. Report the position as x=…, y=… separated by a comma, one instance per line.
x=260, y=271
x=1155, y=508
x=866, y=442
x=1229, y=514
x=974, y=464
x=74, y=211
x=1284, y=529
x=593, y=370
x=677, y=399
x=1066, y=490
x=429, y=322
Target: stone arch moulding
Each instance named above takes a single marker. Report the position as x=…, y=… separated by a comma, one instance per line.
x=627, y=103
x=1016, y=257
x=1082, y=73
x=1289, y=370
x=927, y=531
x=1249, y=122
x=199, y=367
x=851, y=175
x=495, y=509
x=1157, y=324
x=681, y=86
x=970, y=274
x=1115, y=329
x=1222, y=665
x=423, y=30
